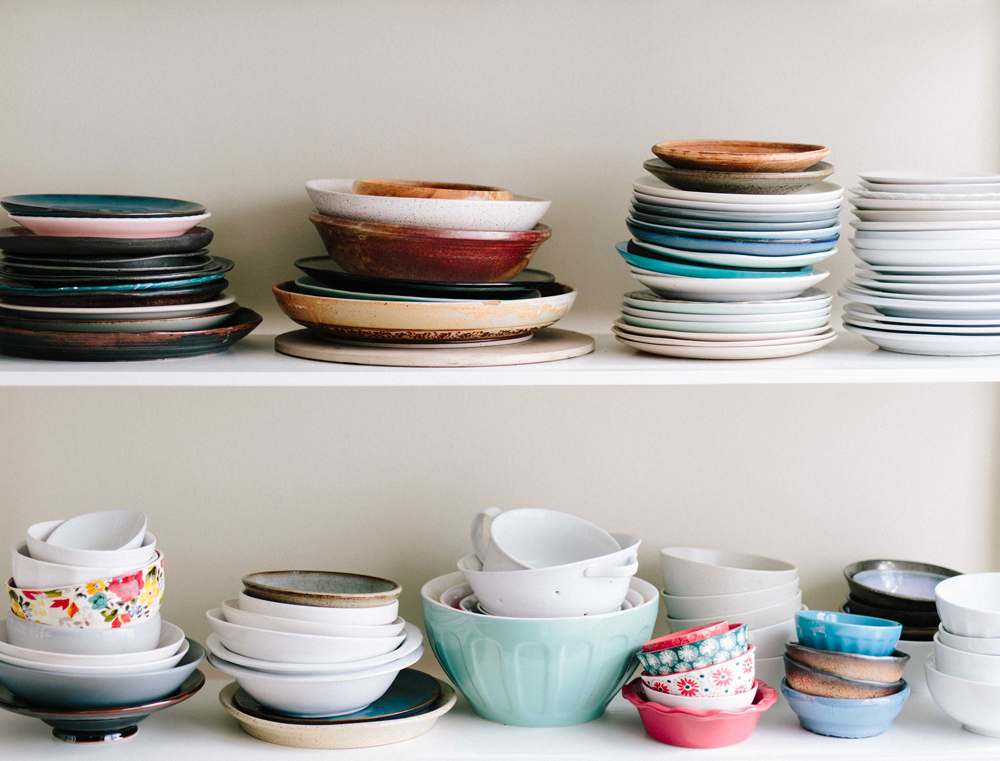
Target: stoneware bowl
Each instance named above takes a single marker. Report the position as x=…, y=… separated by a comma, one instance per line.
x=427, y=253
x=846, y=633
x=134, y=638
x=729, y=606
x=965, y=665
x=363, y=319
x=754, y=619
x=322, y=589
x=170, y=641
x=909, y=619
x=770, y=641
x=29, y=573
x=722, y=678
x=981, y=645
x=106, y=531
x=969, y=605
x=886, y=669
x=110, y=227
x=335, y=198
x=543, y=672
x=714, y=648
x=897, y=584
x=701, y=704
x=423, y=189
x=975, y=704
x=696, y=571
x=234, y=614
x=378, y=615
x=687, y=728
x=813, y=682
x=836, y=717
x=740, y=155
x=39, y=549
x=763, y=183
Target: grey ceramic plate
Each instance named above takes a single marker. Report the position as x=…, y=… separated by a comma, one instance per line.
x=756, y=183
x=190, y=322
x=324, y=589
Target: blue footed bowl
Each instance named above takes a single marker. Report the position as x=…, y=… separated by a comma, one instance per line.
x=537, y=672
x=845, y=717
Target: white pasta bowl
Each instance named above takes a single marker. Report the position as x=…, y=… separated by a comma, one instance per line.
x=40, y=549
x=149, y=667
x=972, y=666
x=697, y=571
x=754, y=619
x=234, y=614
x=981, y=645
x=708, y=606
x=170, y=641
x=374, y=616
x=969, y=605
x=975, y=704
x=30, y=573
x=134, y=638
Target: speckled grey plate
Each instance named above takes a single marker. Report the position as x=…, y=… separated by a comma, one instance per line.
x=757, y=183
x=322, y=589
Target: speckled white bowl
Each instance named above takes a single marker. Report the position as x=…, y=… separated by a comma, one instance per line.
x=334, y=198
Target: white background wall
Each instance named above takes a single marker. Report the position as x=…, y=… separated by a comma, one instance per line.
x=237, y=104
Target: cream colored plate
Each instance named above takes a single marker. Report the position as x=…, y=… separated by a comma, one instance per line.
x=728, y=352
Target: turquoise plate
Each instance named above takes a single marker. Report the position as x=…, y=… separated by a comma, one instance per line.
x=665, y=267
x=748, y=261
x=5, y=288
x=316, y=288
x=83, y=205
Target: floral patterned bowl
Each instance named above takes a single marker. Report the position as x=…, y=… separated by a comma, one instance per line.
x=727, y=678
x=103, y=604
x=730, y=643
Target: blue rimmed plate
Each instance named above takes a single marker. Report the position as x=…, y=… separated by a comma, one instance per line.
x=712, y=242
x=667, y=267
x=21, y=289
x=748, y=229
x=86, y=205
x=747, y=261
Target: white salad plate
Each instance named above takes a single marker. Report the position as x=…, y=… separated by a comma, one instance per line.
x=809, y=301
x=908, y=227
x=900, y=243
x=938, y=258
x=651, y=314
x=949, y=197
x=781, y=341
x=928, y=178
x=737, y=326
x=821, y=191
x=918, y=308
x=728, y=289
x=929, y=235
x=935, y=329
x=964, y=188
x=930, y=204
x=728, y=352
x=865, y=312
x=934, y=345
x=637, y=332
x=927, y=215
x=644, y=196
x=882, y=277
x=666, y=206
x=991, y=290
x=946, y=270
x=952, y=299
x=750, y=261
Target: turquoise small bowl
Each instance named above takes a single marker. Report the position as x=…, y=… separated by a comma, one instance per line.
x=537, y=672
x=846, y=632
x=845, y=717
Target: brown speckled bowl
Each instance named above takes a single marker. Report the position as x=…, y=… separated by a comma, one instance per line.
x=322, y=589
x=755, y=183
x=886, y=669
x=819, y=683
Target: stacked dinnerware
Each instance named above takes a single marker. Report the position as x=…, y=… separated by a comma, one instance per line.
x=698, y=687
x=844, y=676
x=963, y=672
x=415, y=267
x=104, y=278
x=929, y=277
x=725, y=236
x=554, y=600
x=83, y=647
x=320, y=656
x=703, y=586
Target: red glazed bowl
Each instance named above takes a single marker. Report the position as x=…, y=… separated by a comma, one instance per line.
x=435, y=254
x=692, y=729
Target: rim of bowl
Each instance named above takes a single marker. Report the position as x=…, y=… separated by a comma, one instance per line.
x=391, y=593
x=876, y=625
x=671, y=552
x=768, y=697
x=316, y=185
x=870, y=565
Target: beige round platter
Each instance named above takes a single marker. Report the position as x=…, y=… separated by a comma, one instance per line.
x=362, y=734
x=547, y=345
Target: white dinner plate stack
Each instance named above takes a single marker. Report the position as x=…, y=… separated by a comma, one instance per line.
x=929, y=277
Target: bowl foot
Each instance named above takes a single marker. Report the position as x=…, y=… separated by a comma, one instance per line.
x=982, y=731
x=849, y=732
x=78, y=736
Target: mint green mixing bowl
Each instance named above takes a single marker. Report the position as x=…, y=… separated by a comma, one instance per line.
x=537, y=672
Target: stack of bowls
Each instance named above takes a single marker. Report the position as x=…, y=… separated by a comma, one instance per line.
x=702, y=586
x=725, y=235
x=843, y=678
x=320, y=649
x=554, y=598
x=104, y=278
x=963, y=673
x=929, y=277
x=422, y=266
x=83, y=647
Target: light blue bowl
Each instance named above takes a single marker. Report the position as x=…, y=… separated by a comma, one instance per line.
x=712, y=243
x=845, y=717
x=847, y=633
x=696, y=270
x=537, y=672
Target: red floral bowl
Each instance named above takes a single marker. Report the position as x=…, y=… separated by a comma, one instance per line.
x=693, y=729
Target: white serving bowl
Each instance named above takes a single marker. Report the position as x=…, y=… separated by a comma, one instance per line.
x=969, y=605
x=232, y=613
x=706, y=606
x=723, y=703
x=126, y=668
x=317, y=695
x=133, y=638
x=375, y=616
x=170, y=642
x=981, y=645
x=36, y=574
x=286, y=647
x=974, y=704
x=754, y=619
x=770, y=641
x=972, y=666
x=696, y=571
x=40, y=549
x=770, y=671
x=103, y=531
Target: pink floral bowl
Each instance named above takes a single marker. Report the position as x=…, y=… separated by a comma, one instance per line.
x=726, y=678
x=103, y=604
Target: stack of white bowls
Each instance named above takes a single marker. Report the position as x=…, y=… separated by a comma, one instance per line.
x=313, y=643
x=963, y=673
x=703, y=586
x=929, y=277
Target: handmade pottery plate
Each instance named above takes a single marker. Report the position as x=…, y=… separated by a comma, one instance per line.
x=746, y=261
x=930, y=344
x=639, y=333
x=643, y=257
x=119, y=313
x=74, y=205
x=148, y=325
x=810, y=300
x=824, y=196
x=728, y=289
x=111, y=227
x=654, y=205
x=639, y=211
x=23, y=242
x=728, y=352
x=216, y=268
x=102, y=298
x=740, y=155
x=709, y=181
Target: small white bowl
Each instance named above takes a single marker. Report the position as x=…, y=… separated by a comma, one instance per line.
x=133, y=668
x=103, y=531
x=695, y=571
x=770, y=641
x=974, y=704
x=285, y=647
x=981, y=645
x=36, y=574
x=754, y=619
x=133, y=638
x=234, y=615
x=171, y=640
x=40, y=549
x=317, y=695
x=723, y=703
x=710, y=606
x=972, y=666
x=969, y=605
x=376, y=616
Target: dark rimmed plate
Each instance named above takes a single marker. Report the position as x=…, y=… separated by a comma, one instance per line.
x=910, y=634
x=911, y=575
x=752, y=183
x=156, y=297
x=117, y=347
x=99, y=725
x=84, y=265
x=22, y=242
x=89, y=205
x=911, y=619
x=217, y=267
x=326, y=271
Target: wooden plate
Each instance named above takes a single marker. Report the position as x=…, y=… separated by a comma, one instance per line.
x=740, y=155
x=421, y=189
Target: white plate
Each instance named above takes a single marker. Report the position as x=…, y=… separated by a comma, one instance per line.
x=694, y=342
x=935, y=235
x=689, y=326
x=928, y=178
x=915, y=196
x=683, y=335
x=865, y=312
x=821, y=191
x=728, y=289
x=889, y=270
x=939, y=188
x=749, y=229
x=749, y=261
x=881, y=277
x=807, y=302
x=650, y=314
x=811, y=232
x=905, y=227
x=798, y=215
x=974, y=310
x=644, y=196
x=728, y=352
x=899, y=243
x=932, y=345
x=862, y=289
x=126, y=313
x=892, y=204
x=935, y=329
x=991, y=290
x=884, y=215
x=967, y=258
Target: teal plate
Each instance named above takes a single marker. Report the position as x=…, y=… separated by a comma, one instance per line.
x=749, y=261
x=316, y=288
x=664, y=267
x=815, y=232
x=6, y=288
x=76, y=205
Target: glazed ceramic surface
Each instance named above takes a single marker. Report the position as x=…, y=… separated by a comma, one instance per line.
x=975, y=667
x=754, y=619
x=112, y=298
x=697, y=571
x=728, y=289
x=972, y=215
x=378, y=615
x=234, y=614
x=843, y=717
x=931, y=345
x=824, y=195
x=55, y=278
x=196, y=322
x=65, y=204
x=323, y=589
x=918, y=308
x=709, y=181
x=29, y=573
x=325, y=273
x=117, y=668
x=727, y=677
x=740, y=155
x=695, y=654
x=666, y=337
x=20, y=241
x=40, y=549
x=969, y=605
x=728, y=605
x=809, y=301
x=170, y=641
x=846, y=633
x=766, y=265
x=135, y=638
x=106, y=531
x=700, y=704
x=686, y=637
x=981, y=645
x=815, y=682
x=655, y=216
x=663, y=207
x=885, y=669
x=913, y=619
x=975, y=704
x=111, y=227
x=770, y=642
x=313, y=286
x=119, y=313
x=644, y=257
x=713, y=242
x=736, y=231
x=928, y=178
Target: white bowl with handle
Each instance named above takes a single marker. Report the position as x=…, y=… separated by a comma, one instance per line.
x=40, y=549
x=234, y=614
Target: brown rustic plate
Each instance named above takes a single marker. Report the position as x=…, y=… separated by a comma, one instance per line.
x=740, y=155
x=751, y=183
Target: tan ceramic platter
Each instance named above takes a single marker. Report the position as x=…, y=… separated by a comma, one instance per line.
x=361, y=734
x=425, y=321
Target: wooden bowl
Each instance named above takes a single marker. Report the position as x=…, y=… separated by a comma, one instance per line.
x=740, y=155
x=403, y=252
x=421, y=189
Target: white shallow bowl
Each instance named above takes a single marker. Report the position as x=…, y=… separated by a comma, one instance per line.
x=981, y=645
x=726, y=289
x=317, y=695
x=111, y=227
x=334, y=198
x=969, y=605
x=40, y=549
x=170, y=642
x=974, y=704
x=104, y=531
x=722, y=703
x=36, y=574
x=770, y=641
x=965, y=665
x=754, y=619
x=286, y=647
x=99, y=670
x=705, y=606
x=132, y=638
x=903, y=177
x=375, y=616
x=233, y=614
x=697, y=571
x=809, y=301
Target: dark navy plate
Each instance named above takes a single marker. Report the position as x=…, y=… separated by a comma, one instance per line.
x=74, y=205
x=96, y=297
x=216, y=268
x=23, y=242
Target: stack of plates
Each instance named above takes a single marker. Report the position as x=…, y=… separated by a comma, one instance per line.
x=929, y=277
x=90, y=277
x=730, y=274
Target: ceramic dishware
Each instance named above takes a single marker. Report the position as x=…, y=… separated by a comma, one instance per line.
x=378, y=615
x=740, y=155
x=115, y=296
x=973, y=703
x=171, y=639
x=727, y=289
x=727, y=677
x=969, y=605
x=118, y=313
x=234, y=614
x=422, y=189
x=705, y=606
x=899, y=584
x=709, y=181
x=197, y=322
x=660, y=655
x=697, y=571
x=823, y=684
x=840, y=717
x=981, y=645
x=105, y=531
x=770, y=642
x=135, y=638
x=910, y=619
x=699, y=703
x=40, y=549
x=19, y=241
x=696, y=654
x=883, y=669
x=754, y=619
x=846, y=633
x=976, y=667
x=111, y=227
x=324, y=589
x=118, y=668
x=29, y=573
x=85, y=205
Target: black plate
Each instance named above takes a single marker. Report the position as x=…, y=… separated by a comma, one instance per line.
x=876, y=598
x=154, y=297
x=326, y=271
x=157, y=261
x=217, y=266
x=23, y=242
x=17, y=268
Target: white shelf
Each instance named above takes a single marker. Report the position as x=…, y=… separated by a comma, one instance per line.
x=201, y=730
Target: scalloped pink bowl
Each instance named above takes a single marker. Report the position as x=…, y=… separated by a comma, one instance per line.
x=691, y=729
